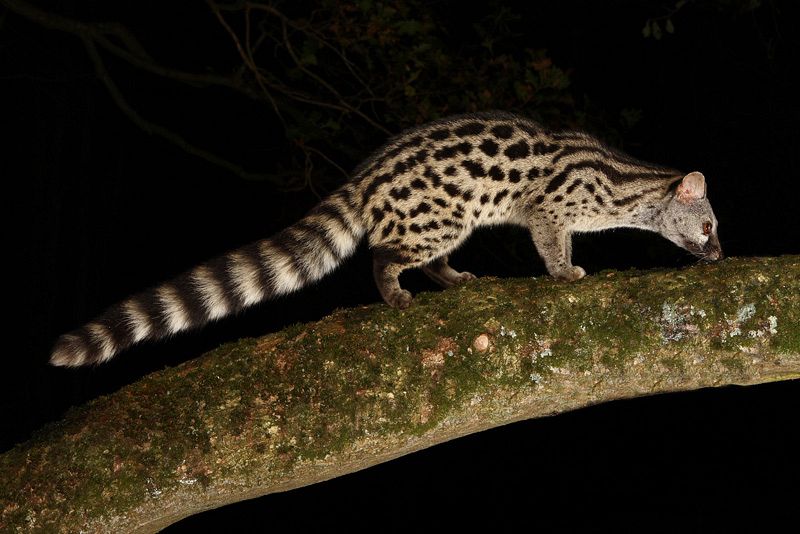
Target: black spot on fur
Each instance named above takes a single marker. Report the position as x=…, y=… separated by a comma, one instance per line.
x=495, y=173
x=573, y=185
x=484, y=198
x=433, y=176
x=518, y=150
x=420, y=156
x=474, y=168
x=539, y=199
x=377, y=215
x=452, y=190
x=400, y=194
x=439, y=135
x=558, y=198
x=476, y=212
x=516, y=195
x=450, y=170
x=431, y=225
x=467, y=196
x=599, y=200
x=569, y=204
x=400, y=167
x=387, y=229
x=500, y=196
x=589, y=188
x=401, y=229
x=384, y=178
x=400, y=214
x=502, y=131
x=489, y=147
x=514, y=176
x=450, y=151
x=416, y=183
x=417, y=229
x=533, y=173
x=544, y=148
x=471, y=128
x=422, y=207
x=440, y=202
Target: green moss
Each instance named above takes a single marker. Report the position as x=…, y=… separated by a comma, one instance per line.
x=734, y=364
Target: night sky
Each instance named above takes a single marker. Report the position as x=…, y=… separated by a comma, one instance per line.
x=102, y=209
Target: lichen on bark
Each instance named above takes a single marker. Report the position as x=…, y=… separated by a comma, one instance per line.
x=368, y=384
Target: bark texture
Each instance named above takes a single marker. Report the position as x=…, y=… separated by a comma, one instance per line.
x=366, y=385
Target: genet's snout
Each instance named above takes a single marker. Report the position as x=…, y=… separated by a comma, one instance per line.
x=713, y=250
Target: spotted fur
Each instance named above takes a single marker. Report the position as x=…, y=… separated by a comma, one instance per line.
x=417, y=199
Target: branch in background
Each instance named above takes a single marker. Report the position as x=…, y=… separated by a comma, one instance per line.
x=96, y=34
x=160, y=131
x=370, y=384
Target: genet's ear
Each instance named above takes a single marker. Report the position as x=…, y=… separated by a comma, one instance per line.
x=692, y=187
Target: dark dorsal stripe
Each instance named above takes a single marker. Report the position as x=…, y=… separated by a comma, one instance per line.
x=612, y=174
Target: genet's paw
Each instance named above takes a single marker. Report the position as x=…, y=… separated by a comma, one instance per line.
x=399, y=299
x=571, y=274
x=465, y=277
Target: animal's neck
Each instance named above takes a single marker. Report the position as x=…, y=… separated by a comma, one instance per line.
x=647, y=211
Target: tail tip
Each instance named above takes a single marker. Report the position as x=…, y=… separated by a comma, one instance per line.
x=69, y=351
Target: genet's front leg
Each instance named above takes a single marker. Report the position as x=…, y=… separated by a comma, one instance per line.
x=555, y=247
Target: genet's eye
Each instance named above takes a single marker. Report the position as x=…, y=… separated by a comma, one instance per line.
x=707, y=228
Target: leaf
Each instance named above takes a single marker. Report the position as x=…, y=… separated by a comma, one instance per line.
x=646, y=30
x=669, y=26
x=656, y=30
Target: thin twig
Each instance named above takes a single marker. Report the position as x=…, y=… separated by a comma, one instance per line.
x=158, y=130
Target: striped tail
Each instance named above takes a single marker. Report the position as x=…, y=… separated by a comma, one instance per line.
x=285, y=262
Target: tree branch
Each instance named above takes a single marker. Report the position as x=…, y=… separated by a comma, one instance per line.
x=93, y=35
x=370, y=384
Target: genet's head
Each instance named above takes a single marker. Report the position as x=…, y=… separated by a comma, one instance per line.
x=689, y=221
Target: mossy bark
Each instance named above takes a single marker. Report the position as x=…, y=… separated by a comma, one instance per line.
x=366, y=385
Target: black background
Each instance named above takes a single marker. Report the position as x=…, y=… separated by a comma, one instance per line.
x=101, y=210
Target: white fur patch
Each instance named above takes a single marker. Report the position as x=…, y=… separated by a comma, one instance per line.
x=104, y=340
x=341, y=238
x=246, y=277
x=283, y=271
x=212, y=291
x=177, y=318
x=318, y=259
x=137, y=319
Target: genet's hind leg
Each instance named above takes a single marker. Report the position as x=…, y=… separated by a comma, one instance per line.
x=441, y=273
x=386, y=277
